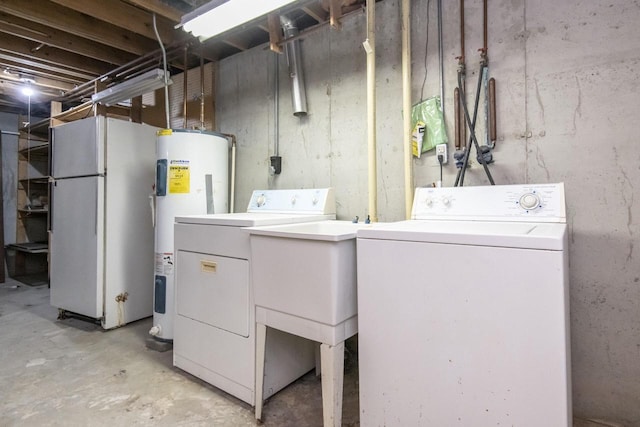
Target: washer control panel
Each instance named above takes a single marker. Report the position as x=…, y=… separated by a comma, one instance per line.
x=527, y=202
x=316, y=200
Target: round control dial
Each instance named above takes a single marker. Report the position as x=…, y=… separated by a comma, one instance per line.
x=261, y=200
x=529, y=201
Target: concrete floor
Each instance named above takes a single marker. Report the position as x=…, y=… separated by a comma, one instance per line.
x=72, y=373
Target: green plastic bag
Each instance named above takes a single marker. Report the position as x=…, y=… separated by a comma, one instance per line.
x=427, y=126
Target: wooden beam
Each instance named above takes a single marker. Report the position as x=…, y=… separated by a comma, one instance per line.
x=335, y=13
x=125, y=16
x=10, y=44
x=275, y=32
x=46, y=13
x=237, y=41
x=25, y=65
x=316, y=11
x=39, y=81
x=159, y=8
x=62, y=40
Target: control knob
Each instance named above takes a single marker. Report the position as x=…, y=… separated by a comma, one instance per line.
x=261, y=200
x=529, y=201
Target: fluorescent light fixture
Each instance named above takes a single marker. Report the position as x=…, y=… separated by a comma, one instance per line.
x=216, y=17
x=135, y=86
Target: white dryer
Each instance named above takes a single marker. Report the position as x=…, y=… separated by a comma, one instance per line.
x=214, y=326
x=463, y=310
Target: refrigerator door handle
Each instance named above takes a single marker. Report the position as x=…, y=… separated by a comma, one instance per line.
x=95, y=229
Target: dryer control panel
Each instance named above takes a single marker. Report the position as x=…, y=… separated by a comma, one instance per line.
x=314, y=200
x=526, y=202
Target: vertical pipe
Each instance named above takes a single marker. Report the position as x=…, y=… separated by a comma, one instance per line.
x=201, y=91
x=276, y=106
x=370, y=48
x=492, y=111
x=185, y=88
x=296, y=72
x=441, y=57
x=456, y=114
x=406, y=106
x=166, y=76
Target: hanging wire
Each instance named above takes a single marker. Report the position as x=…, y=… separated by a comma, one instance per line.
x=426, y=50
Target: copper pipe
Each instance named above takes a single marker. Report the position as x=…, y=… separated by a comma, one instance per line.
x=492, y=110
x=456, y=111
x=485, y=47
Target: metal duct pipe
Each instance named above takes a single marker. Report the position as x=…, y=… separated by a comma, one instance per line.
x=294, y=60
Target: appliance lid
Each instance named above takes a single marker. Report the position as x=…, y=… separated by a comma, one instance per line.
x=525, y=235
x=251, y=219
x=333, y=231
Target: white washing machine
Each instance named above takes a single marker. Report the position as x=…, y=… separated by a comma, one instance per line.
x=464, y=311
x=214, y=327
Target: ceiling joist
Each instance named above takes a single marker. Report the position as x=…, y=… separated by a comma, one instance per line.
x=124, y=16
x=47, y=13
x=62, y=40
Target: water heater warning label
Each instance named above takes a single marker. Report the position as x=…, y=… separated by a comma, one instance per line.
x=179, y=178
x=164, y=263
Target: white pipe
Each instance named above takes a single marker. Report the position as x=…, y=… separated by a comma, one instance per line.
x=406, y=107
x=370, y=48
x=166, y=78
x=232, y=189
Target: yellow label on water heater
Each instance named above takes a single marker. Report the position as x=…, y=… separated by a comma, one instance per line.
x=179, y=178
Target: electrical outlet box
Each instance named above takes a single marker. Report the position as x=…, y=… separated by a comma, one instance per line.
x=441, y=150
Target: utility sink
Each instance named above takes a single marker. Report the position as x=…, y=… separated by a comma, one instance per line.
x=306, y=270
x=304, y=283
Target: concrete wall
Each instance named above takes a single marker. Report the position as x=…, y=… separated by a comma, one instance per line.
x=568, y=87
x=9, y=127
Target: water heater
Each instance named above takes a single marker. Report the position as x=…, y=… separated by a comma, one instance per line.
x=192, y=178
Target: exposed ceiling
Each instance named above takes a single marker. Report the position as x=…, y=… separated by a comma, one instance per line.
x=63, y=47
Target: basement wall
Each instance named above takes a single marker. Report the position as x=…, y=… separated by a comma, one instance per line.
x=567, y=94
x=9, y=124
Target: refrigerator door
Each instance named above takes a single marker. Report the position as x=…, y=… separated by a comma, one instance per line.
x=77, y=148
x=76, y=258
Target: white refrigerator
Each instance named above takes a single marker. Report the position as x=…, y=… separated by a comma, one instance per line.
x=101, y=232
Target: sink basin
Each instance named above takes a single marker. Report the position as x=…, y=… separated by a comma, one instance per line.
x=306, y=270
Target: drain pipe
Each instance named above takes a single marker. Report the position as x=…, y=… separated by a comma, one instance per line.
x=292, y=50
x=370, y=48
x=406, y=106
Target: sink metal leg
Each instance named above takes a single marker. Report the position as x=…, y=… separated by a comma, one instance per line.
x=318, y=365
x=261, y=341
x=332, y=365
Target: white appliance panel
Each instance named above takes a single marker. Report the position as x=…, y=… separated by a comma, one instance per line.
x=101, y=253
x=77, y=148
x=226, y=359
x=526, y=235
x=215, y=290
x=527, y=202
x=476, y=286
x=128, y=227
x=76, y=245
x=479, y=355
